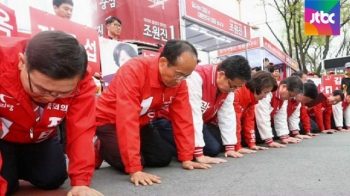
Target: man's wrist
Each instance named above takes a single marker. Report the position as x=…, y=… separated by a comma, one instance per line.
x=229, y=148
x=283, y=137
x=269, y=141
x=198, y=152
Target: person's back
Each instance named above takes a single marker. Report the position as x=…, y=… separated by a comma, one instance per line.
x=141, y=87
x=322, y=112
x=38, y=89
x=257, y=88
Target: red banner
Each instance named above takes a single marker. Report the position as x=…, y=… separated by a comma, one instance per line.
x=146, y=53
x=331, y=83
x=149, y=21
x=88, y=37
x=280, y=54
x=8, y=25
x=210, y=17
x=253, y=44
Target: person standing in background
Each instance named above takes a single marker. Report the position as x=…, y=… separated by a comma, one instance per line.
x=114, y=28
x=345, y=82
x=63, y=8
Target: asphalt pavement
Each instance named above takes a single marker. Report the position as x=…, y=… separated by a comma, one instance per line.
x=317, y=167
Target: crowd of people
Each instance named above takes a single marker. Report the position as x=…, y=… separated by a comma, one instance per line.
x=154, y=109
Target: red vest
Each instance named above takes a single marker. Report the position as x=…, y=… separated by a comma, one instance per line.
x=212, y=99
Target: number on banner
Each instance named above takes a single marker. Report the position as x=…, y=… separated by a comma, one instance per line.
x=91, y=46
x=147, y=30
x=103, y=4
x=156, y=33
x=164, y=34
x=4, y=27
x=328, y=89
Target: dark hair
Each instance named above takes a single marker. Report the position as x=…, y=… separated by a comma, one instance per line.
x=58, y=3
x=266, y=59
x=294, y=84
x=310, y=90
x=236, y=66
x=276, y=67
x=338, y=93
x=57, y=55
x=256, y=68
x=298, y=73
x=111, y=19
x=123, y=47
x=260, y=81
x=174, y=48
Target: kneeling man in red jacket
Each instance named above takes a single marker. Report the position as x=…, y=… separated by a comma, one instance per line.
x=41, y=84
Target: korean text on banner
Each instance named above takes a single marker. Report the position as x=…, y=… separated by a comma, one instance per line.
x=208, y=16
x=88, y=37
x=149, y=21
x=331, y=83
x=8, y=25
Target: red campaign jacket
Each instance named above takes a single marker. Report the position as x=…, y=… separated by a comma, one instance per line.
x=244, y=104
x=3, y=183
x=133, y=99
x=210, y=103
x=209, y=89
x=18, y=118
x=276, y=103
x=304, y=117
x=322, y=113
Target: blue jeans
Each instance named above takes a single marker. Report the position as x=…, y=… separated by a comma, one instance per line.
x=211, y=135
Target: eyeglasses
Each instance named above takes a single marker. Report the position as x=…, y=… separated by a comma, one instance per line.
x=117, y=25
x=178, y=76
x=232, y=87
x=50, y=93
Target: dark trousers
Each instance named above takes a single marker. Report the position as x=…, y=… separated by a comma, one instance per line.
x=333, y=123
x=313, y=126
x=61, y=133
x=42, y=164
x=211, y=135
x=154, y=152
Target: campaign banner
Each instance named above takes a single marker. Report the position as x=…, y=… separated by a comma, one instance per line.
x=318, y=83
x=88, y=37
x=113, y=55
x=8, y=25
x=280, y=54
x=253, y=44
x=209, y=17
x=331, y=83
x=149, y=21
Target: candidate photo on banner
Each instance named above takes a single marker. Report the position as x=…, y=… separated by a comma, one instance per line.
x=113, y=55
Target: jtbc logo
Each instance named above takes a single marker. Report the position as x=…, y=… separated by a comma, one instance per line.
x=316, y=17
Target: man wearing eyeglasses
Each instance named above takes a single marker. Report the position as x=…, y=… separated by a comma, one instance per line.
x=43, y=82
x=142, y=87
x=272, y=112
x=114, y=28
x=211, y=96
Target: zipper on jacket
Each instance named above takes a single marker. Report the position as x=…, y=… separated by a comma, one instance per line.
x=31, y=133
